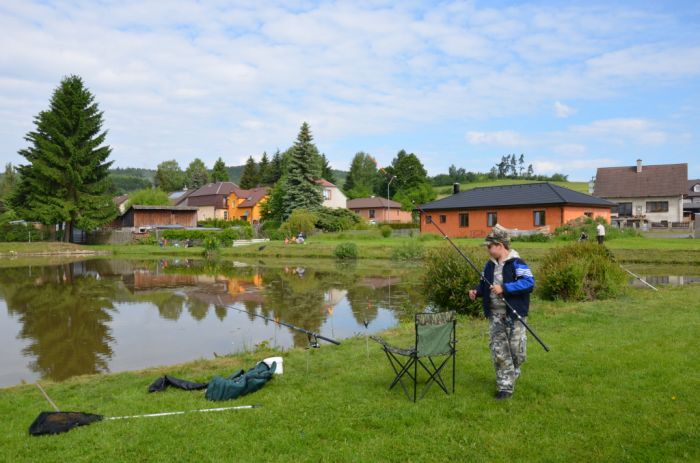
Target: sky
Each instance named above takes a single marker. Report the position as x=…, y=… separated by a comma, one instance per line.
x=571, y=85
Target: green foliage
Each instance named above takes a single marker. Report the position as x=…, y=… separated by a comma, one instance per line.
x=250, y=177
x=66, y=178
x=411, y=249
x=211, y=244
x=148, y=197
x=264, y=173
x=534, y=238
x=385, y=230
x=121, y=184
x=225, y=237
x=273, y=208
x=19, y=232
x=169, y=176
x=346, y=251
x=363, y=177
x=221, y=223
x=326, y=171
x=276, y=169
x=448, y=279
x=411, y=183
x=333, y=220
x=147, y=240
x=303, y=170
x=301, y=220
x=430, y=237
x=580, y=271
x=571, y=231
x=219, y=172
x=196, y=175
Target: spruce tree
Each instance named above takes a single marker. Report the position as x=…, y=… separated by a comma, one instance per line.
x=276, y=170
x=249, y=177
x=219, y=172
x=264, y=170
x=196, y=175
x=66, y=178
x=326, y=171
x=303, y=171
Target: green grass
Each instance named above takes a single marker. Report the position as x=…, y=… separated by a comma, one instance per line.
x=443, y=191
x=620, y=384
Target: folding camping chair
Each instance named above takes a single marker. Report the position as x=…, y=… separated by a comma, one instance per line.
x=435, y=337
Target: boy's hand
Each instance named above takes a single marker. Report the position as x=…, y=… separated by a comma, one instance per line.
x=497, y=290
x=472, y=294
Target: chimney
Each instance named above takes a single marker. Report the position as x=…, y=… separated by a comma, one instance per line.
x=455, y=188
x=639, y=166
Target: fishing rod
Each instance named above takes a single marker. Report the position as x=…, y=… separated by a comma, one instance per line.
x=483, y=278
x=612, y=257
x=313, y=337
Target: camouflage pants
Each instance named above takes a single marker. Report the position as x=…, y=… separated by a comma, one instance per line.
x=507, y=341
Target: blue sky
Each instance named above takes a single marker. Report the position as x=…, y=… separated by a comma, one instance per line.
x=572, y=85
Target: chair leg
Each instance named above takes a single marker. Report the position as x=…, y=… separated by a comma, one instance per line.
x=405, y=368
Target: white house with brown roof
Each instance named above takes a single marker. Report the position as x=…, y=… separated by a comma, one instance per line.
x=691, y=200
x=644, y=194
x=332, y=196
x=379, y=210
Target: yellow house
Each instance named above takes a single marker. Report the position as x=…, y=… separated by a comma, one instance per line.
x=245, y=204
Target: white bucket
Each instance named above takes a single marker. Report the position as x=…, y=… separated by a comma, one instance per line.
x=278, y=360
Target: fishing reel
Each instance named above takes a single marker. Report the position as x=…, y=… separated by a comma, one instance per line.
x=313, y=341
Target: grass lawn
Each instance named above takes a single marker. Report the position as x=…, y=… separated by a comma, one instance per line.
x=620, y=384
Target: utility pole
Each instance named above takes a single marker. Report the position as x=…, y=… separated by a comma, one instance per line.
x=387, y=197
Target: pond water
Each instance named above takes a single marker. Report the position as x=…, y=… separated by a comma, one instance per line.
x=106, y=315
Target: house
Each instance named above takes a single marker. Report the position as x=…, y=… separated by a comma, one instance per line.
x=691, y=199
x=246, y=204
x=332, y=196
x=644, y=194
x=211, y=200
x=176, y=197
x=138, y=219
x=530, y=206
x=120, y=201
x=379, y=209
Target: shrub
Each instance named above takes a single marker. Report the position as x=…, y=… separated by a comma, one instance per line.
x=411, y=249
x=223, y=224
x=346, y=251
x=333, y=220
x=18, y=232
x=300, y=220
x=448, y=279
x=211, y=245
x=225, y=237
x=580, y=271
x=534, y=238
x=385, y=230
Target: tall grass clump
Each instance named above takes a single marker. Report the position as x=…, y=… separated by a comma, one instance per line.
x=582, y=271
x=411, y=249
x=448, y=279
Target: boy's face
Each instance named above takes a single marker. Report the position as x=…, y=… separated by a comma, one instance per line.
x=495, y=250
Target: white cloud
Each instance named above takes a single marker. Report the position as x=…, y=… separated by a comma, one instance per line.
x=569, y=149
x=623, y=130
x=562, y=110
x=502, y=138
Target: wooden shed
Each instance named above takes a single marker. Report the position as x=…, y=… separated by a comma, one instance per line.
x=143, y=217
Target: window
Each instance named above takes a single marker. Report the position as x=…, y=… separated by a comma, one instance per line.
x=371, y=213
x=443, y=218
x=428, y=219
x=464, y=219
x=538, y=218
x=491, y=219
x=696, y=188
x=623, y=209
x=588, y=214
x=657, y=206
x=326, y=194
x=225, y=215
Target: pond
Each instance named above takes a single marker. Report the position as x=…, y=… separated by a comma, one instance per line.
x=107, y=315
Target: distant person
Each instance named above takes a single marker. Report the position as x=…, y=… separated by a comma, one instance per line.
x=583, y=237
x=600, y=233
x=300, y=238
x=512, y=281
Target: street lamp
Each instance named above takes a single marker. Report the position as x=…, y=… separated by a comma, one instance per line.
x=387, y=197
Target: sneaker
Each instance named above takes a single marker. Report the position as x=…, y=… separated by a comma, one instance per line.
x=502, y=395
x=517, y=373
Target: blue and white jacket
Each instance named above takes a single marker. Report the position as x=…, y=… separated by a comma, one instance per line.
x=518, y=283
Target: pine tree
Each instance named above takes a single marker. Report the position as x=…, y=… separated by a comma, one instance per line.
x=301, y=188
x=249, y=177
x=196, y=174
x=264, y=170
x=66, y=179
x=326, y=171
x=219, y=172
x=276, y=170
x=7, y=186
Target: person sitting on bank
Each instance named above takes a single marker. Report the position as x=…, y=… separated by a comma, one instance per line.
x=511, y=281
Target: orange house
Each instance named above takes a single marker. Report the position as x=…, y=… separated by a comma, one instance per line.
x=245, y=204
x=474, y=212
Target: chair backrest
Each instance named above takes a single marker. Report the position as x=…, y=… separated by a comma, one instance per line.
x=434, y=333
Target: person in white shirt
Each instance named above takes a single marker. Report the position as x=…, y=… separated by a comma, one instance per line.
x=600, y=232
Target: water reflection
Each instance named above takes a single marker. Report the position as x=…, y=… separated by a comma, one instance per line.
x=95, y=316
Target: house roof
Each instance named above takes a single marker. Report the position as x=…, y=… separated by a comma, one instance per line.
x=180, y=197
x=252, y=196
x=121, y=199
x=218, y=188
x=653, y=181
x=324, y=182
x=365, y=203
x=530, y=194
x=689, y=192
x=163, y=208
